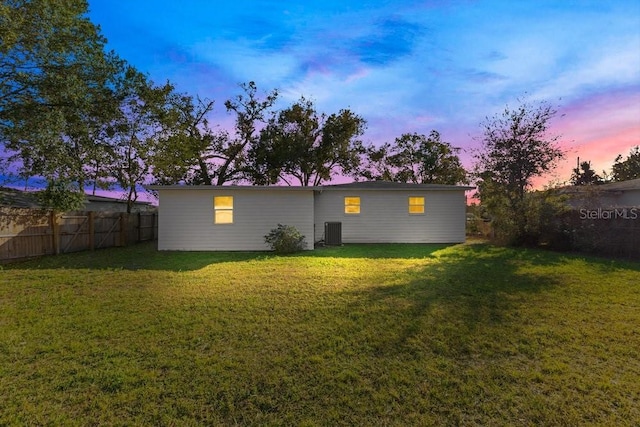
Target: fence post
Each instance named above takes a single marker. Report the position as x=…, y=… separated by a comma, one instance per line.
x=55, y=232
x=139, y=228
x=153, y=226
x=92, y=231
x=123, y=228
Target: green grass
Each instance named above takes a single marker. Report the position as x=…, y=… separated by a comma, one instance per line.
x=358, y=335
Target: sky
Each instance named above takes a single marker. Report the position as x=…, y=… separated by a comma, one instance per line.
x=405, y=66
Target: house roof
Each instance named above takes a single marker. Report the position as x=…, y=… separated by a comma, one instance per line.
x=632, y=184
x=28, y=199
x=232, y=187
x=18, y=198
x=365, y=185
x=104, y=199
x=388, y=185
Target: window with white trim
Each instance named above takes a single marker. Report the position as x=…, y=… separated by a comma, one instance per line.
x=416, y=205
x=352, y=205
x=223, y=210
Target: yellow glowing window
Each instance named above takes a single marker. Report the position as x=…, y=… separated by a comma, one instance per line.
x=223, y=209
x=416, y=205
x=352, y=205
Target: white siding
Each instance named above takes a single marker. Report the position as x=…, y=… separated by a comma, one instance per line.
x=185, y=220
x=384, y=216
x=628, y=198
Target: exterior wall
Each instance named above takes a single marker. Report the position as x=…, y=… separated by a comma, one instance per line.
x=186, y=218
x=628, y=198
x=384, y=216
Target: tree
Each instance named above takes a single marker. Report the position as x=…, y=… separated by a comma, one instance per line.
x=61, y=196
x=376, y=165
x=516, y=148
x=426, y=160
x=55, y=89
x=298, y=143
x=628, y=168
x=192, y=152
x=231, y=152
x=415, y=158
x=184, y=152
x=584, y=175
x=145, y=115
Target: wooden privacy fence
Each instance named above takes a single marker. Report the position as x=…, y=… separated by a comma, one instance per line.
x=26, y=233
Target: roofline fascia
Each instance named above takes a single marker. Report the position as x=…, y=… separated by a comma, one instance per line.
x=300, y=188
x=229, y=187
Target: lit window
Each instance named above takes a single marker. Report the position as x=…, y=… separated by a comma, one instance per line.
x=352, y=205
x=223, y=209
x=416, y=205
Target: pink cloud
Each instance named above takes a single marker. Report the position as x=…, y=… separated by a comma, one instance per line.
x=598, y=128
x=357, y=75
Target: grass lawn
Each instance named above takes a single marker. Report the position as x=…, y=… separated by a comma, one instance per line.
x=357, y=335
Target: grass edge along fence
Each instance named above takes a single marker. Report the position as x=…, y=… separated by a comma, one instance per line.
x=27, y=233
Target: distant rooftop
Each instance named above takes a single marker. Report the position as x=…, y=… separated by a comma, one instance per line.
x=18, y=198
x=631, y=184
x=28, y=199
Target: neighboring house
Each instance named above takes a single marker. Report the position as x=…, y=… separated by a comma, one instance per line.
x=238, y=217
x=11, y=197
x=611, y=195
x=110, y=204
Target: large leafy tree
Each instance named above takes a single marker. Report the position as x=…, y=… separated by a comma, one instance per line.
x=438, y=161
x=628, y=168
x=185, y=151
x=418, y=159
x=516, y=148
x=56, y=89
x=145, y=117
x=192, y=152
x=299, y=144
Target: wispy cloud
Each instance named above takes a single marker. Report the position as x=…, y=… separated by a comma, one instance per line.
x=389, y=40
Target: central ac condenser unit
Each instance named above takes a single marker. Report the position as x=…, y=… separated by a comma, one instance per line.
x=333, y=233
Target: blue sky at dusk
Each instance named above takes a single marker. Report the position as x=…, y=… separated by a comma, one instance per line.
x=405, y=66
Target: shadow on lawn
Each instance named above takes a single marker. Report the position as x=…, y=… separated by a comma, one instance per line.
x=443, y=306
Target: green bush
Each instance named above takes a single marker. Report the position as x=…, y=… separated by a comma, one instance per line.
x=285, y=239
x=538, y=223
x=62, y=196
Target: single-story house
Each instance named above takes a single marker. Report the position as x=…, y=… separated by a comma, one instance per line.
x=238, y=217
x=610, y=195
